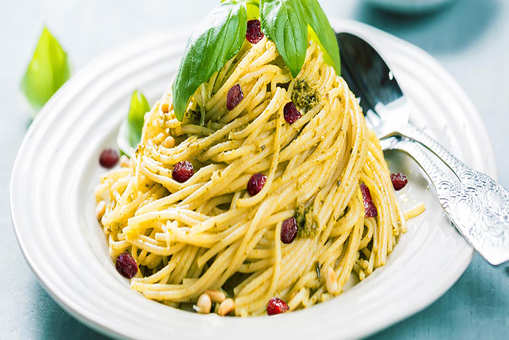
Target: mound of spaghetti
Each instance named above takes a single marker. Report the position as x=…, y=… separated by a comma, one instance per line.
x=279, y=196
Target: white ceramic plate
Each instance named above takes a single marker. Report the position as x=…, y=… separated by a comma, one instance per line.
x=57, y=168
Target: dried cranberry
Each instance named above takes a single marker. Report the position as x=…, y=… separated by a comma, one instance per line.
x=182, y=171
x=289, y=230
x=234, y=97
x=369, y=206
x=256, y=183
x=276, y=306
x=254, y=32
x=109, y=158
x=398, y=180
x=291, y=113
x=126, y=265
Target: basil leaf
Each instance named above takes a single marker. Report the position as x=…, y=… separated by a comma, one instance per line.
x=135, y=118
x=326, y=37
x=253, y=9
x=284, y=23
x=207, y=52
x=46, y=72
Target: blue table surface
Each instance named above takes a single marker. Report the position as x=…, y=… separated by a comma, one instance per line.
x=470, y=39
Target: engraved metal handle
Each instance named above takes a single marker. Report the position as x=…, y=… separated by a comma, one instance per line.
x=474, y=202
x=412, y=132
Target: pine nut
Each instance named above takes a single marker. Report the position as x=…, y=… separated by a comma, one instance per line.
x=169, y=142
x=226, y=307
x=216, y=295
x=203, y=305
x=331, y=280
x=100, y=209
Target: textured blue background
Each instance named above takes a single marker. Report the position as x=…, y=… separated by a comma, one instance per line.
x=470, y=38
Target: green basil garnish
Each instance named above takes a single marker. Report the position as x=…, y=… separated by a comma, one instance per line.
x=208, y=52
x=284, y=23
x=135, y=118
x=46, y=72
x=326, y=37
x=288, y=23
x=253, y=9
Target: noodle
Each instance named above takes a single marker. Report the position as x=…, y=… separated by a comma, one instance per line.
x=208, y=233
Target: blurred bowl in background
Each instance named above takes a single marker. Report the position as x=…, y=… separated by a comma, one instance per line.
x=409, y=6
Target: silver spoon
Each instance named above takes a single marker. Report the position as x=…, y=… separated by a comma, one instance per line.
x=473, y=201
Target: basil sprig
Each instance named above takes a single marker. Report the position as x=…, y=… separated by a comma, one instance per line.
x=207, y=52
x=135, y=117
x=283, y=22
x=129, y=135
x=326, y=36
x=288, y=23
x=46, y=72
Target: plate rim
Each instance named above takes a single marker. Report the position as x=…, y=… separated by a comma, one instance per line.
x=111, y=331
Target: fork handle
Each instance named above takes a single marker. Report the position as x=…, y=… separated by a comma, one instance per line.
x=475, y=203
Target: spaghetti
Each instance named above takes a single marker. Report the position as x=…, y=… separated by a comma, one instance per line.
x=208, y=235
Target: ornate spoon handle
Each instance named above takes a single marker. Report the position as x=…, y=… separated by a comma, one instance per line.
x=474, y=202
x=462, y=171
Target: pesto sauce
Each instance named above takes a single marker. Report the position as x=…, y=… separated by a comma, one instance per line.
x=307, y=226
x=304, y=96
x=191, y=116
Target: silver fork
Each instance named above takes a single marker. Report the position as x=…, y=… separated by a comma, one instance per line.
x=473, y=201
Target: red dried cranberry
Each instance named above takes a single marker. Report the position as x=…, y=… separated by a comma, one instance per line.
x=276, y=306
x=398, y=180
x=288, y=230
x=291, y=113
x=369, y=206
x=256, y=183
x=126, y=265
x=109, y=158
x=182, y=171
x=234, y=97
x=254, y=32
